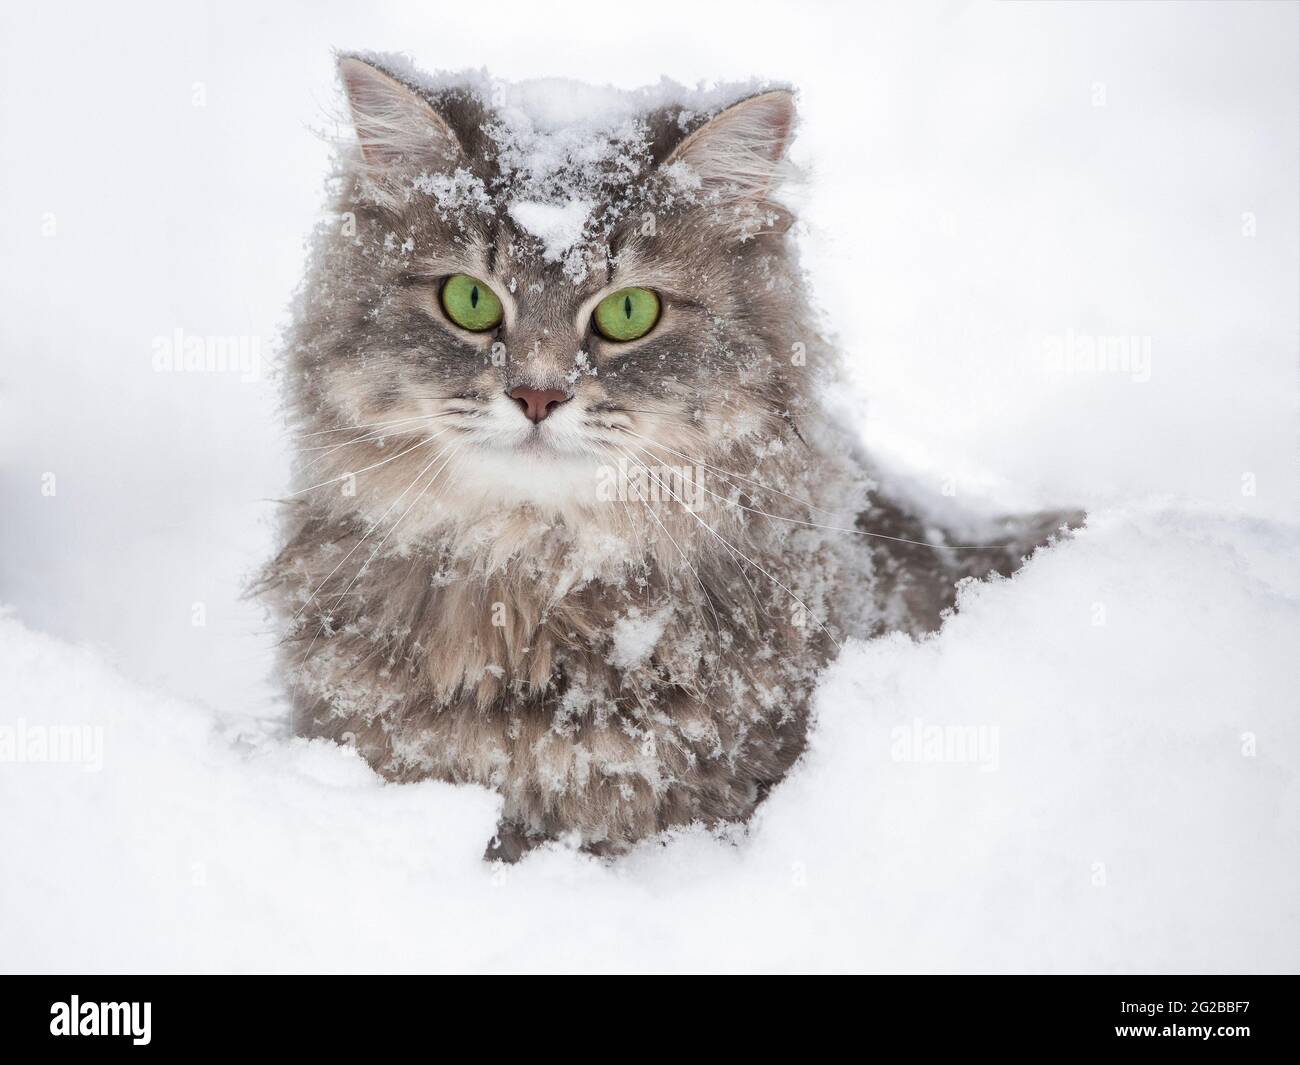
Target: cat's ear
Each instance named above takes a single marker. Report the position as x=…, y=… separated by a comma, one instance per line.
x=394, y=124
x=739, y=151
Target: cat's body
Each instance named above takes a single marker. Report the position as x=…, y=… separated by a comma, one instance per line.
x=600, y=577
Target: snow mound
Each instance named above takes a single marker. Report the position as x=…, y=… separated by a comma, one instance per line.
x=557, y=225
x=1092, y=767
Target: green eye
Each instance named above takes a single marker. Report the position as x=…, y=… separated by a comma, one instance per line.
x=470, y=303
x=627, y=314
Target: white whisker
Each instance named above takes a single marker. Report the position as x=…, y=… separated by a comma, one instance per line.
x=369, y=425
x=830, y=528
x=724, y=473
x=717, y=630
x=375, y=465
x=356, y=576
x=727, y=544
x=364, y=535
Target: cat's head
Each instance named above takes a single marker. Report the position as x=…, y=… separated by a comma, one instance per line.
x=541, y=294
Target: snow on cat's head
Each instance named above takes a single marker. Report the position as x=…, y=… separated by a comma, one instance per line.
x=528, y=282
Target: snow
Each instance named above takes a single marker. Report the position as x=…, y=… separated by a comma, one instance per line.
x=560, y=140
x=974, y=220
x=635, y=636
x=455, y=192
x=1141, y=813
x=557, y=225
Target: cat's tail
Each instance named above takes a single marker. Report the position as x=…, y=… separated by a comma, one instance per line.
x=919, y=559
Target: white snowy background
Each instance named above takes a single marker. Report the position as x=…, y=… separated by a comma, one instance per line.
x=981, y=179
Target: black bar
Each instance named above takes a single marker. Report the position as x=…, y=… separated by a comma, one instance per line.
x=341, y=1014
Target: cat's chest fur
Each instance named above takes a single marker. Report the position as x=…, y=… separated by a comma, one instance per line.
x=600, y=688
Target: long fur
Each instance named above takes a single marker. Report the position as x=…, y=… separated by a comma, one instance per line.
x=463, y=596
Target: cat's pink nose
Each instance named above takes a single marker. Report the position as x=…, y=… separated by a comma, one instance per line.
x=537, y=403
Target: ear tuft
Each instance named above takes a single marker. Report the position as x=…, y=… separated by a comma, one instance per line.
x=394, y=124
x=740, y=149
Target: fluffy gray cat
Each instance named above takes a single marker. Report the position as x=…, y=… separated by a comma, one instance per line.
x=571, y=520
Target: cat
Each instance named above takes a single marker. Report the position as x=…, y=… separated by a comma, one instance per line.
x=571, y=518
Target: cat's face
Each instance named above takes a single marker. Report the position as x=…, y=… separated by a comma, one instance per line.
x=536, y=309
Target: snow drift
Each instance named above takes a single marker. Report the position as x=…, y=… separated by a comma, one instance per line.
x=1091, y=767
